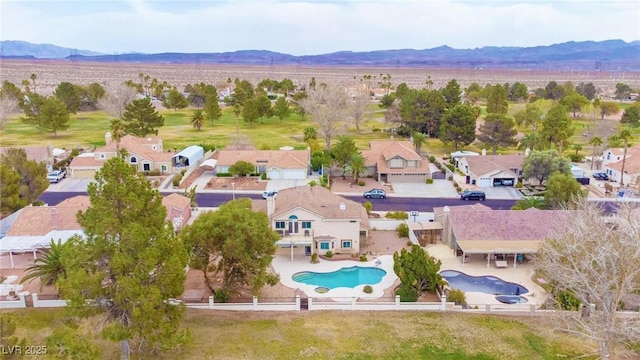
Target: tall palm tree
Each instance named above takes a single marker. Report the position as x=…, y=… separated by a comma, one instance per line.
x=419, y=139
x=531, y=141
x=33, y=78
x=197, y=119
x=49, y=268
x=117, y=131
x=596, y=142
x=625, y=136
x=357, y=166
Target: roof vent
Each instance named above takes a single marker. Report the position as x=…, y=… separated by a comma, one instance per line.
x=342, y=206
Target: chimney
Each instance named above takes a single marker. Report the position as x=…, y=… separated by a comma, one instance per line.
x=484, y=152
x=107, y=138
x=271, y=205
x=446, y=227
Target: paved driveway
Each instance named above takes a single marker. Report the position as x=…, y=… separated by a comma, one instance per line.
x=439, y=189
x=70, y=185
x=502, y=192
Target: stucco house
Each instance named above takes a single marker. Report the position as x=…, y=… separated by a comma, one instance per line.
x=395, y=161
x=283, y=164
x=45, y=154
x=612, y=164
x=498, y=234
x=491, y=170
x=178, y=209
x=144, y=153
x=312, y=219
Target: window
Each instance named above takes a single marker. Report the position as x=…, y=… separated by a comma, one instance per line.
x=102, y=156
x=133, y=160
x=153, y=147
x=324, y=245
x=279, y=224
x=293, y=217
x=164, y=167
x=306, y=224
x=346, y=244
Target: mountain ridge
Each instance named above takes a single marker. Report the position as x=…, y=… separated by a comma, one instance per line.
x=598, y=55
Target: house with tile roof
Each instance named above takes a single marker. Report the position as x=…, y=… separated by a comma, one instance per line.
x=612, y=164
x=395, y=161
x=283, y=164
x=45, y=154
x=312, y=219
x=491, y=170
x=178, y=209
x=476, y=229
x=144, y=153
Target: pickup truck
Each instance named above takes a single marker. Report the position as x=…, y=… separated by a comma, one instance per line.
x=56, y=175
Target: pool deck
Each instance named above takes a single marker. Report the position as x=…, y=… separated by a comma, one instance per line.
x=286, y=268
x=476, y=266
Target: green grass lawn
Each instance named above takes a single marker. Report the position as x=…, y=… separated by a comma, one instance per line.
x=344, y=335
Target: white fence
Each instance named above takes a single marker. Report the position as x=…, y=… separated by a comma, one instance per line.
x=353, y=304
x=14, y=304
x=252, y=306
x=46, y=303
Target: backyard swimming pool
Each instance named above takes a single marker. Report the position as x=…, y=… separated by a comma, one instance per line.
x=349, y=277
x=485, y=284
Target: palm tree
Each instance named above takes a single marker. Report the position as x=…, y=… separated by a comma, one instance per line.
x=531, y=141
x=117, y=131
x=419, y=139
x=596, y=142
x=49, y=268
x=357, y=166
x=197, y=119
x=33, y=78
x=625, y=136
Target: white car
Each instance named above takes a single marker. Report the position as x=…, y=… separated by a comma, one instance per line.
x=56, y=175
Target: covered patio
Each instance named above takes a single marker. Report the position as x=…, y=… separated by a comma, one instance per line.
x=25, y=244
x=501, y=252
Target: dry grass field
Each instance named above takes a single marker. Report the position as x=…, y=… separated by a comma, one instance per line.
x=50, y=73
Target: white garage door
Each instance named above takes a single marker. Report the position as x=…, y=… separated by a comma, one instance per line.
x=485, y=182
x=274, y=174
x=295, y=174
x=407, y=178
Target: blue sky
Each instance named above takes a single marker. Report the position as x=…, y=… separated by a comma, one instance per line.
x=313, y=27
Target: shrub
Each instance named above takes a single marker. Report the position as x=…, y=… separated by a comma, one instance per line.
x=404, y=131
x=429, y=181
x=37, y=203
x=457, y=296
x=313, y=183
x=568, y=301
x=398, y=215
x=221, y=174
x=176, y=180
x=314, y=258
x=154, y=172
x=519, y=185
x=451, y=167
x=432, y=159
x=329, y=254
x=375, y=129
x=363, y=258
x=409, y=243
x=222, y=295
x=576, y=157
x=407, y=293
x=361, y=183
x=367, y=289
x=184, y=171
x=368, y=206
x=263, y=176
x=450, y=177
x=403, y=230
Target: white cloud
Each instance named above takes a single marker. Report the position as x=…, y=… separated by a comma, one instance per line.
x=313, y=27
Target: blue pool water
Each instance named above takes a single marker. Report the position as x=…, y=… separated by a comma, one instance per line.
x=483, y=284
x=346, y=277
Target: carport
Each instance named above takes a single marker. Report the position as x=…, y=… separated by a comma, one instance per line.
x=494, y=248
x=187, y=157
x=23, y=244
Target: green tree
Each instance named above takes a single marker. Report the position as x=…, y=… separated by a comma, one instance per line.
x=49, y=267
x=297, y=101
x=141, y=118
x=531, y=141
x=419, y=140
x=357, y=166
x=94, y=93
x=531, y=116
x=518, y=92
x=422, y=110
x=596, y=142
x=233, y=241
x=623, y=136
x=541, y=164
x=129, y=265
x=242, y=168
x=243, y=91
x=197, y=119
x=251, y=111
x=631, y=115
x=451, y=93
x=263, y=104
x=387, y=100
x=574, y=102
x=563, y=190
x=31, y=183
x=282, y=109
x=343, y=150
x=529, y=202
x=553, y=91
x=497, y=100
x=623, y=91
x=498, y=130
x=587, y=90
x=557, y=127
x=175, y=100
x=53, y=116
x=417, y=269
x=608, y=108
x=458, y=125
x=69, y=94
x=212, y=108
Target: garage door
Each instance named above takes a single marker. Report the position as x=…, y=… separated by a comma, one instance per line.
x=407, y=178
x=274, y=174
x=83, y=173
x=295, y=174
x=485, y=182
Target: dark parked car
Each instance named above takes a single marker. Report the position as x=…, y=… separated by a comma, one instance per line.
x=269, y=193
x=600, y=176
x=375, y=194
x=473, y=195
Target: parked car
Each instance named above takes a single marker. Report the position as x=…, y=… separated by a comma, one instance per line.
x=600, y=176
x=56, y=175
x=269, y=193
x=473, y=195
x=375, y=194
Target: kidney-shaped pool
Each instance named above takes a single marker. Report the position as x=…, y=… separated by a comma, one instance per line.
x=349, y=277
x=485, y=284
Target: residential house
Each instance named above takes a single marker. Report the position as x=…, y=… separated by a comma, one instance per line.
x=491, y=170
x=144, y=153
x=395, y=161
x=45, y=154
x=497, y=234
x=312, y=219
x=178, y=209
x=283, y=164
x=612, y=164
